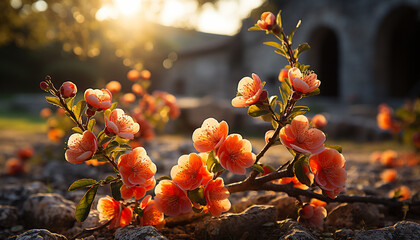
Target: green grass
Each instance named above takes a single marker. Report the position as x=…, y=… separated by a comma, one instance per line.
x=21, y=121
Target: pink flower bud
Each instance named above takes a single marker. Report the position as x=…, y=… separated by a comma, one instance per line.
x=68, y=89
x=44, y=86
x=267, y=22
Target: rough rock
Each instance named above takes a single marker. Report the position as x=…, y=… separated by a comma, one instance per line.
x=16, y=194
x=343, y=234
x=401, y=230
x=131, y=232
x=285, y=206
x=294, y=231
x=354, y=215
x=235, y=225
x=8, y=216
x=39, y=234
x=50, y=211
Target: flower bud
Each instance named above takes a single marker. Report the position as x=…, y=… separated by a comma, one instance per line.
x=267, y=22
x=44, y=86
x=416, y=139
x=145, y=74
x=90, y=112
x=133, y=75
x=68, y=89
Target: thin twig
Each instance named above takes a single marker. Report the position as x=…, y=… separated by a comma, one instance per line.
x=90, y=231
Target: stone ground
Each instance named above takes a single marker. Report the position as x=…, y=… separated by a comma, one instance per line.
x=20, y=196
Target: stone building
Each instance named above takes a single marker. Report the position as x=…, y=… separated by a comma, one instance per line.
x=363, y=52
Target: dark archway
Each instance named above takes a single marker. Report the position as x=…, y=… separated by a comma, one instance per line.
x=397, y=54
x=324, y=60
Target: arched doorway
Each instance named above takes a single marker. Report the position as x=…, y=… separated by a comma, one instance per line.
x=324, y=60
x=397, y=54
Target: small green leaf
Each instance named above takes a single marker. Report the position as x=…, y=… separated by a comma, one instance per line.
x=197, y=196
x=254, y=28
x=81, y=183
x=336, y=147
x=115, y=190
x=290, y=37
x=111, y=146
x=83, y=207
x=302, y=48
x=257, y=110
x=298, y=110
x=267, y=117
x=197, y=210
x=274, y=44
x=282, y=52
x=278, y=19
x=99, y=156
x=284, y=98
x=258, y=168
x=91, y=124
x=274, y=123
x=124, y=146
x=313, y=93
x=162, y=178
x=301, y=169
x=69, y=102
x=79, y=108
x=109, y=178
x=273, y=102
x=213, y=164
x=77, y=130
x=113, y=106
x=54, y=101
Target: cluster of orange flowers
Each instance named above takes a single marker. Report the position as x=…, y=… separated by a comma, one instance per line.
x=17, y=165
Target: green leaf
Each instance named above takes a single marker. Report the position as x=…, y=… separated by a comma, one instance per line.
x=274, y=123
x=282, y=52
x=91, y=124
x=313, y=93
x=213, y=164
x=112, y=145
x=79, y=108
x=290, y=37
x=257, y=110
x=162, y=178
x=54, y=101
x=258, y=167
x=301, y=169
x=197, y=196
x=197, y=210
x=254, y=28
x=103, y=138
x=274, y=44
x=278, y=19
x=115, y=190
x=99, y=156
x=273, y=102
x=113, y=106
x=302, y=48
x=109, y=178
x=267, y=117
x=284, y=98
x=298, y=110
x=81, y=183
x=77, y=130
x=83, y=207
x=69, y=102
x=336, y=147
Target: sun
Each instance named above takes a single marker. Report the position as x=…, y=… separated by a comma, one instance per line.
x=127, y=7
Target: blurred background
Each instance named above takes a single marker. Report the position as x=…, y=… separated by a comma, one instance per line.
x=364, y=52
